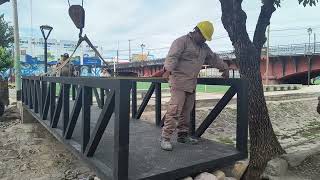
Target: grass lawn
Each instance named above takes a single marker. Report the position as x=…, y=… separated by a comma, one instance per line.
x=212, y=89
x=200, y=88
x=146, y=85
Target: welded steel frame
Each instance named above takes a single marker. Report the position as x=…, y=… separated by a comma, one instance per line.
x=40, y=98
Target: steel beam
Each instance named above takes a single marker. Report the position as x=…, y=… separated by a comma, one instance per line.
x=58, y=108
x=158, y=103
x=134, y=99
x=65, y=106
x=121, y=131
x=46, y=104
x=101, y=125
x=216, y=111
x=242, y=118
x=145, y=100
x=74, y=115
x=85, y=125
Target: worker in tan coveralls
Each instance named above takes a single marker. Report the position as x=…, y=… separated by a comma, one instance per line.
x=182, y=66
x=68, y=68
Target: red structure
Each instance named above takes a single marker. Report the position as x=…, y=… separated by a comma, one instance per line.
x=282, y=69
x=287, y=64
x=290, y=69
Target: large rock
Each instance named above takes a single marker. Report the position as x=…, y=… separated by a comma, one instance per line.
x=219, y=175
x=187, y=178
x=230, y=178
x=276, y=167
x=239, y=168
x=205, y=176
x=284, y=178
x=228, y=170
x=10, y=114
x=296, y=158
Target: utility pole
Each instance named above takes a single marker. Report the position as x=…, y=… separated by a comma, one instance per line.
x=129, y=50
x=114, y=66
x=314, y=49
x=31, y=28
x=17, y=65
x=309, y=56
x=118, y=54
x=267, y=63
x=114, y=63
x=314, y=43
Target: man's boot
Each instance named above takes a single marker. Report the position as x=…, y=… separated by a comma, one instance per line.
x=166, y=145
x=185, y=138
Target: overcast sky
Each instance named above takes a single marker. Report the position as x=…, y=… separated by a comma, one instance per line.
x=157, y=23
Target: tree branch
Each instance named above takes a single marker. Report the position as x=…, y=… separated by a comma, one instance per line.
x=266, y=12
x=234, y=21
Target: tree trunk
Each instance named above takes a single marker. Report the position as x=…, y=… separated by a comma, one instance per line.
x=264, y=144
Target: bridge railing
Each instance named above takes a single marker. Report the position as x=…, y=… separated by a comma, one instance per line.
x=39, y=96
x=237, y=86
x=54, y=99
x=295, y=49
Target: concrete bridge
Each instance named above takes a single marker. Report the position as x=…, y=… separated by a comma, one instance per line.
x=287, y=64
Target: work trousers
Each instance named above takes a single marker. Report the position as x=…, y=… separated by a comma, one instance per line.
x=178, y=113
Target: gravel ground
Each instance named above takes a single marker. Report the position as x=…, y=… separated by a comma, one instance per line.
x=309, y=169
x=295, y=123
x=28, y=151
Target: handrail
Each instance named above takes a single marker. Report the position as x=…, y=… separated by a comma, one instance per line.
x=39, y=96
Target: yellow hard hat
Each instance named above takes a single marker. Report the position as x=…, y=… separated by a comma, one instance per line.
x=206, y=29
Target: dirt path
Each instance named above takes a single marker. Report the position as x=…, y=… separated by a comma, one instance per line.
x=28, y=151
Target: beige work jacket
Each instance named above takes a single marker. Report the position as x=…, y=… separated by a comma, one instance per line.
x=185, y=60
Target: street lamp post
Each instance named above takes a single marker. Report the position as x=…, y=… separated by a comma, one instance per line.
x=142, y=48
x=309, y=54
x=17, y=66
x=129, y=50
x=46, y=30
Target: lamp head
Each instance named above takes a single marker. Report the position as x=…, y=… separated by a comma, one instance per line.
x=46, y=30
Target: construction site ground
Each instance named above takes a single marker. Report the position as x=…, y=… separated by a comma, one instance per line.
x=28, y=151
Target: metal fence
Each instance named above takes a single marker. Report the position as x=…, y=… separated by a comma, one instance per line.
x=295, y=49
x=282, y=50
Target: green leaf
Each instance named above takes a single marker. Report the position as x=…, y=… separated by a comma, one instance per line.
x=6, y=60
x=308, y=2
x=6, y=33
